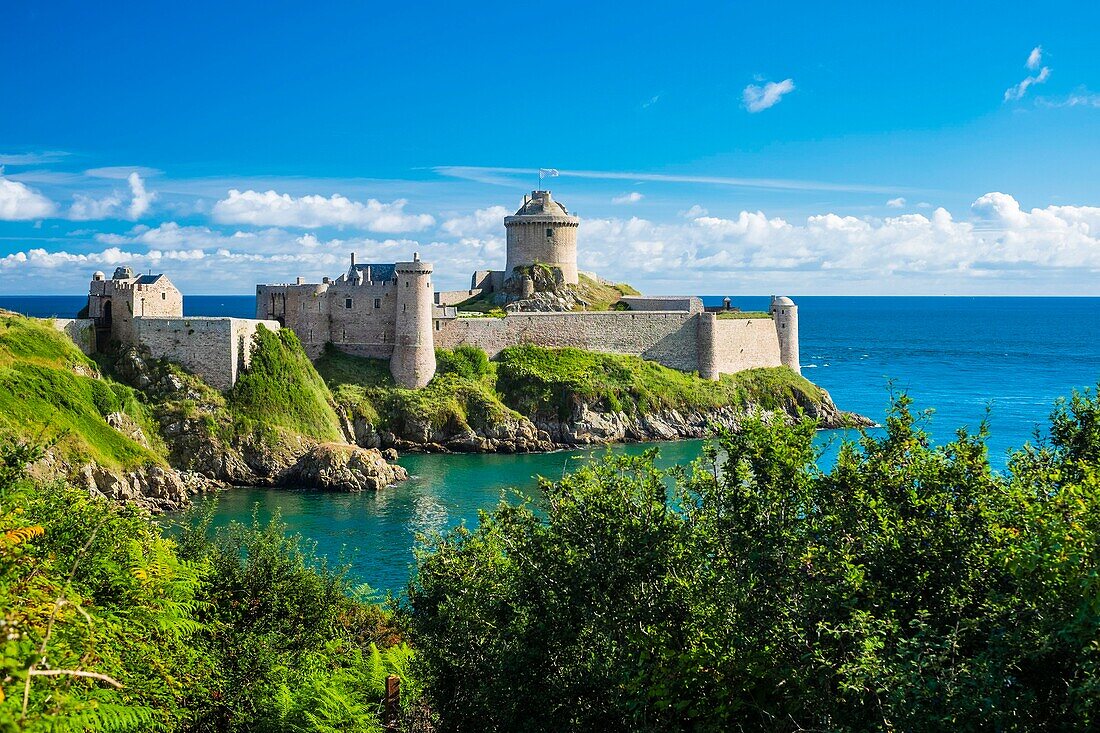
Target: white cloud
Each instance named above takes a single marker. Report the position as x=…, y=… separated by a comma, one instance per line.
x=113, y=206
x=628, y=198
x=896, y=203
x=46, y=156
x=1034, y=59
x=20, y=203
x=694, y=212
x=140, y=198
x=758, y=99
x=309, y=212
x=482, y=223
x=1081, y=98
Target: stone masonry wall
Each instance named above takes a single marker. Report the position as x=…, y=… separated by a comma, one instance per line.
x=689, y=303
x=80, y=330
x=745, y=343
x=667, y=338
x=215, y=349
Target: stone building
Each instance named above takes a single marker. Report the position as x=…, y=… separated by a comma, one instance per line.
x=114, y=304
x=146, y=311
x=543, y=232
x=383, y=311
x=391, y=311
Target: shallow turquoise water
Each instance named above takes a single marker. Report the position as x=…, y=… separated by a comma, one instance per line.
x=374, y=532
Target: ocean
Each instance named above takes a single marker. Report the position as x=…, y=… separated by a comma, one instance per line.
x=1005, y=360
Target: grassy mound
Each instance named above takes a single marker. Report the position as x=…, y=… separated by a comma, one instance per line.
x=282, y=390
x=598, y=295
x=537, y=380
x=50, y=390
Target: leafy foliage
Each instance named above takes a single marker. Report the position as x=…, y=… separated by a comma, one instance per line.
x=910, y=587
x=108, y=624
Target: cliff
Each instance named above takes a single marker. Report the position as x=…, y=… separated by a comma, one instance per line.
x=537, y=399
x=140, y=430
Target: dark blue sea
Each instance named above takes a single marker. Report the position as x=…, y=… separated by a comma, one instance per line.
x=1002, y=359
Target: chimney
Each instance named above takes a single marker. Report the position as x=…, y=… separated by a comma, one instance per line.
x=353, y=259
x=298, y=281
x=416, y=257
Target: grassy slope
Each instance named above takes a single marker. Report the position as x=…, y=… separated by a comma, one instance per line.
x=49, y=389
x=282, y=390
x=743, y=315
x=462, y=394
x=533, y=380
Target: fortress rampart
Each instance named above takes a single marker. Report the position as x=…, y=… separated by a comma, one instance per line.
x=217, y=349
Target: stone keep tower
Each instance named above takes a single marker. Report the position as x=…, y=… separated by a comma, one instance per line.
x=413, y=361
x=542, y=232
x=785, y=315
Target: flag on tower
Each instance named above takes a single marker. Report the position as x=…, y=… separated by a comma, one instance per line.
x=548, y=172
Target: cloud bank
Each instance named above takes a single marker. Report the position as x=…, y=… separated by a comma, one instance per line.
x=310, y=212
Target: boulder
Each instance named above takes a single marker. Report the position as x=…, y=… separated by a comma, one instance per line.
x=344, y=468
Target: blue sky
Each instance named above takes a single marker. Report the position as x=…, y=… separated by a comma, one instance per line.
x=708, y=147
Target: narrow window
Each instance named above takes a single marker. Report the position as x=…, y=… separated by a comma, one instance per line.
x=343, y=334
x=549, y=232
x=404, y=307
x=164, y=296
x=311, y=335
x=347, y=302
x=377, y=302
x=437, y=325
x=406, y=283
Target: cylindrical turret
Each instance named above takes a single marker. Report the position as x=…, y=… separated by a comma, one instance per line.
x=542, y=232
x=708, y=359
x=413, y=361
x=785, y=315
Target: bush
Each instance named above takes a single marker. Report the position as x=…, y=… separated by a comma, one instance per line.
x=110, y=625
x=908, y=588
x=465, y=361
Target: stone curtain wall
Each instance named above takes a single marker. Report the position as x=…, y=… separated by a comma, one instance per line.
x=663, y=303
x=666, y=338
x=454, y=297
x=212, y=348
x=745, y=344
x=80, y=330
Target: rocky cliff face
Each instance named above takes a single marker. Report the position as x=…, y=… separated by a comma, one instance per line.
x=206, y=445
x=587, y=424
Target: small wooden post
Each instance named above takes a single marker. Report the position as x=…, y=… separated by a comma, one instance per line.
x=393, y=701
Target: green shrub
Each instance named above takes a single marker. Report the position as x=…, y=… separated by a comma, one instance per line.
x=465, y=361
x=907, y=588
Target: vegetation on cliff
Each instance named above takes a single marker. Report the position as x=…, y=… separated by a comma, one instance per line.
x=470, y=391
x=281, y=389
x=536, y=380
x=49, y=390
x=908, y=587
x=111, y=625
x=595, y=294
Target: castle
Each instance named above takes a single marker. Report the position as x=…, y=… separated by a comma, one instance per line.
x=392, y=311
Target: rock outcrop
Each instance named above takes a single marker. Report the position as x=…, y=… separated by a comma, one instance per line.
x=203, y=441
x=587, y=424
x=344, y=468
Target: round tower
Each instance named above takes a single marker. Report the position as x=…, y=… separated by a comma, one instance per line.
x=542, y=232
x=785, y=315
x=413, y=361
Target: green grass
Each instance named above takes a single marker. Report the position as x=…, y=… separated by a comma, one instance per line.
x=742, y=315
x=50, y=390
x=536, y=380
x=470, y=391
x=461, y=395
x=281, y=389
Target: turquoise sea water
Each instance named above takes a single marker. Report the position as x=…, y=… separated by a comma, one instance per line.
x=962, y=356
